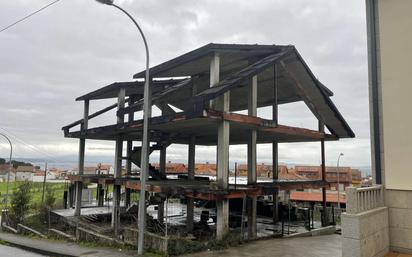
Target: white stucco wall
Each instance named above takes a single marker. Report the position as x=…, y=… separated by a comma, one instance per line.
x=395, y=51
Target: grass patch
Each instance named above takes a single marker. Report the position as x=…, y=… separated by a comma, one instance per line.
x=36, y=193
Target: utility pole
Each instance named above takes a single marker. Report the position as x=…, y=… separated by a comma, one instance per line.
x=44, y=182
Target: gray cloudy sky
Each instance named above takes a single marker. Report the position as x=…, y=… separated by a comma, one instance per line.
x=77, y=46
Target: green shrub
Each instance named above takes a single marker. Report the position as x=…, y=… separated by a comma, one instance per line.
x=20, y=202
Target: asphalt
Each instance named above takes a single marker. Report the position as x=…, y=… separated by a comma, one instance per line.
x=58, y=248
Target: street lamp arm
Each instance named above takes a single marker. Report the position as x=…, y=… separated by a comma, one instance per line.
x=8, y=140
x=6, y=197
x=141, y=33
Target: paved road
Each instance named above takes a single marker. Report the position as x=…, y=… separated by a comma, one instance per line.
x=7, y=251
x=63, y=248
x=318, y=246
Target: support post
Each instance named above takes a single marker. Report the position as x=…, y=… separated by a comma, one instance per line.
x=129, y=150
x=162, y=165
x=222, y=104
x=71, y=195
x=82, y=148
x=191, y=177
x=162, y=169
x=325, y=220
x=99, y=188
x=275, y=146
x=100, y=196
x=251, y=161
x=118, y=167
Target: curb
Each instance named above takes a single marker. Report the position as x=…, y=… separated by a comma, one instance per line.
x=35, y=249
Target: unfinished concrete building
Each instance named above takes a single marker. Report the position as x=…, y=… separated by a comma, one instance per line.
x=200, y=95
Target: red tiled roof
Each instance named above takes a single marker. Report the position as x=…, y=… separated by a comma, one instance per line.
x=289, y=174
x=173, y=167
x=205, y=168
x=316, y=197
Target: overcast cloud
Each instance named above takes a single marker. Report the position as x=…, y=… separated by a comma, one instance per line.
x=77, y=46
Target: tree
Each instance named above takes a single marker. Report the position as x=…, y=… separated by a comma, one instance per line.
x=2, y=161
x=19, y=163
x=20, y=201
x=50, y=199
x=47, y=205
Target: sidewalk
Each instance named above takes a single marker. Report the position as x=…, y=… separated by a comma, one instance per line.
x=58, y=248
x=316, y=246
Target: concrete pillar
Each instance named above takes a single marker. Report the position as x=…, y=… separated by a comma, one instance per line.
x=191, y=176
x=118, y=167
x=71, y=195
x=82, y=148
x=166, y=110
x=251, y=160
x=129, y=148
x=222, y=103
x=275, y=148
x=275, y=176
x=325, y=220
x=100, y=195
x=162, y=168
x=214, y=74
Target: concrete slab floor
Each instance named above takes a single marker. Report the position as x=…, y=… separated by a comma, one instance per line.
x=318, y=246
x=398, y=255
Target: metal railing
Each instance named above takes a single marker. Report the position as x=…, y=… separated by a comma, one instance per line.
x=364, y=199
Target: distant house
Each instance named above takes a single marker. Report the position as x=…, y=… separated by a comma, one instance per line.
x=106, y=169
x=4, y=170
x=58, y=173
x=289, y=174
x=347, y=175
x=38, y=176
x=262, y=170
x=24, y=173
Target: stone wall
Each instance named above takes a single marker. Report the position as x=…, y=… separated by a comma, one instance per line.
x=399, y=203
x=365, y=234
x=365, y=225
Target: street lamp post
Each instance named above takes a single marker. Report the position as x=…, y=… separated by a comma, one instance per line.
x=145, y=142
x=337, y=172
x=6, y=197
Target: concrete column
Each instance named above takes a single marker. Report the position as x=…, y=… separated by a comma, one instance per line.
x=214, y=74
x=71, y=195
x=325, y=220
x=275, y=172
x=191, y=176
x=100, y=196
x=251, y=160
x=222, y=103
x=82, y=148
x=166, y=110
x=162, y=168
x=275, y=148
x=129, y=148
x=118, y=167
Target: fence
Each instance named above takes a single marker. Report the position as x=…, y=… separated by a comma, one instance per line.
x=364, y=199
